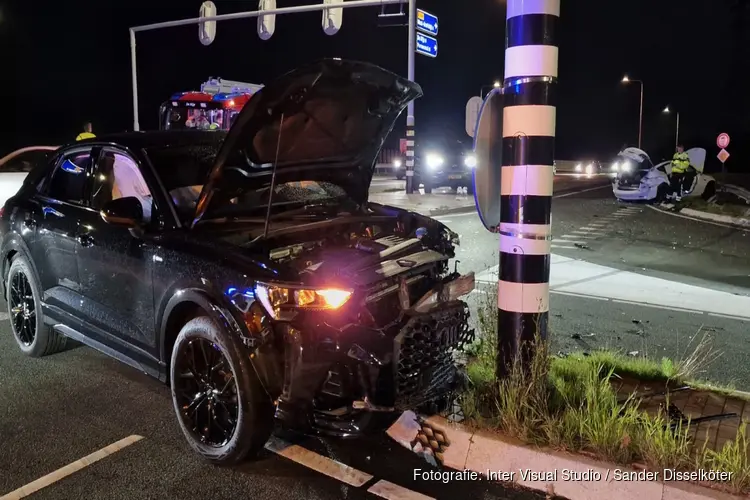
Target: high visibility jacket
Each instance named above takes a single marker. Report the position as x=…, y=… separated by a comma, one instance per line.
x=680, y=163
x=84, y=135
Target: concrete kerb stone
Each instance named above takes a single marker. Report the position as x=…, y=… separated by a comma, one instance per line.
x=484, y=452
x=726, y=219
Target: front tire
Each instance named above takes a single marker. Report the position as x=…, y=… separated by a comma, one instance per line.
x=34, y=338
x=221, y=407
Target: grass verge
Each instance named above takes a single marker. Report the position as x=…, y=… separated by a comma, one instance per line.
x=731, y=210
x=569, y=403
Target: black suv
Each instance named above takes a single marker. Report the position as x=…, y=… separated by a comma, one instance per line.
x=247, y=269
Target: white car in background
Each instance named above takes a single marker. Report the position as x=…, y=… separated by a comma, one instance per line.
x=638, y=179
x=16, y=166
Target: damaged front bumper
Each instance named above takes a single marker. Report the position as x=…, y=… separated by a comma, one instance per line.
x=337, y=378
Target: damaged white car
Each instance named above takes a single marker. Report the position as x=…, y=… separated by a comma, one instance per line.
x=638, y=179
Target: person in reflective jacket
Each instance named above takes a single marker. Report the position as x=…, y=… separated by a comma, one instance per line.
x=680, y=165
x=87, y=132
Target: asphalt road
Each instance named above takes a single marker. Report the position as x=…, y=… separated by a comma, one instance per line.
x=57, y=410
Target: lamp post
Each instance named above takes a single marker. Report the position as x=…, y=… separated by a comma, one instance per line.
x=626, y=80
x=677, y=132
x=481, y=90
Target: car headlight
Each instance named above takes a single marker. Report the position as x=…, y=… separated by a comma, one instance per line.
x=470, y=161
x=590, y=168
x=615, y=166
x=579, y=167
x=397, y=163
x=276, y=298
x=434, y=160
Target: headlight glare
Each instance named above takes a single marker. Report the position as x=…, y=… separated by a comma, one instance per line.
x=277, y=298
x=470, y=161
x=434, y=160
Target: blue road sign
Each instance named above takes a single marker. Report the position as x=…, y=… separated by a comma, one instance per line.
x=426, y=45
x=427, y=23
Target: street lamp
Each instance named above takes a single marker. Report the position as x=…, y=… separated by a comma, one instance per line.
x=677, y=132
x=495, y=85
x=627, y=80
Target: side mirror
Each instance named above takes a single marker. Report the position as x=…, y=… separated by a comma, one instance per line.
x=123, y=212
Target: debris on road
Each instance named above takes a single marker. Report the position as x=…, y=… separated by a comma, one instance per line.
x=582, y=246
x=634, y=353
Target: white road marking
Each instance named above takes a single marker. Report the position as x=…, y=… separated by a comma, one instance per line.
x=318, y=463
x=69, y=469
x=698, y=220
x=390, y=491
x=729, y=316
x=581, y=191
x=4, y=316
x=562, y=246
x=571, y=294
x=591, y=229
x=564, y=241
x=584, y=235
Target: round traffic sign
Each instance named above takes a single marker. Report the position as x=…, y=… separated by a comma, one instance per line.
x=722, y=141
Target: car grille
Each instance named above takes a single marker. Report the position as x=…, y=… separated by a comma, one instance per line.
x=424, y=354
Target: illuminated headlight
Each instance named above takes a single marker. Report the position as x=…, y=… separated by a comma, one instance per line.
x=626, y=166
x=590, y=168
x=470, y=161
x=278, y=299
x=397, y=163
x=434, y=161
x=579, y=168
x=615, y=166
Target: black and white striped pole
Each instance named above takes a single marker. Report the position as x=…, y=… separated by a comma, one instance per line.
x=528, y=131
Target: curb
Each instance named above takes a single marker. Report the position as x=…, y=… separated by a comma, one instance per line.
x=484, y=452
x=726, y=219
x=701, y=216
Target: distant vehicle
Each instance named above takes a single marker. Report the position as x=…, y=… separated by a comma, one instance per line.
x=215, y=107
x=637, y=178
x=259, y=282
x=441, y=163
x=15, y=166
x=590, y=167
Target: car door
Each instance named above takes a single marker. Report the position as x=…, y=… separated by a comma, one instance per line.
x=115, y=266
x=55, y=216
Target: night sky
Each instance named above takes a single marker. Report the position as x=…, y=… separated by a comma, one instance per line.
x=69, y=61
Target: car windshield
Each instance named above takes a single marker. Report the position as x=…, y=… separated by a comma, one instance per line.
x=184, y=170
x=184, y=117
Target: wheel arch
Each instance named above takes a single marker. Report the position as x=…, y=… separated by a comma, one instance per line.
x=15, y=245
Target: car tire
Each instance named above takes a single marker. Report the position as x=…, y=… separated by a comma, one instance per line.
x=710, y=191
x=34, y=338
x=661, y=193
x=247, y=406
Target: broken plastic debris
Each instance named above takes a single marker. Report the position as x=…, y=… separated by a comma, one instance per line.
x=405, y=431
x=633, y=353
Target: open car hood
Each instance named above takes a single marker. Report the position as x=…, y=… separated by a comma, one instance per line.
x=639, y=156
x=326, y=121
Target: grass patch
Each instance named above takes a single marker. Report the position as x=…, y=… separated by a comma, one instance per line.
x=570, y=403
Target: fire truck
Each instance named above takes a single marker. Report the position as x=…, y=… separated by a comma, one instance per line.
x=214, y=107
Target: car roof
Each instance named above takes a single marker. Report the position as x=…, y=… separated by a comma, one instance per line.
x=159, y=138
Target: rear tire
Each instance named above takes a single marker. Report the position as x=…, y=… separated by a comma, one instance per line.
x=710, y=191
x=214, y=383
x=34, y=338
x=661, y=193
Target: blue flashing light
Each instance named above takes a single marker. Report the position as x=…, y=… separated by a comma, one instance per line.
x=230, y=291
x=177, y=96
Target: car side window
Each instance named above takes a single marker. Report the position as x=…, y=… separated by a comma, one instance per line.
x=68, y=181
x=118, y=176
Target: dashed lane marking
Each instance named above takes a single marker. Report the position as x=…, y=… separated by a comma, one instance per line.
x=69, y=469
x=386, y=489
x=318, y=463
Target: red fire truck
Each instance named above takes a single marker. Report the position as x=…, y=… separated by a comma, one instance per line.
x=214, y=107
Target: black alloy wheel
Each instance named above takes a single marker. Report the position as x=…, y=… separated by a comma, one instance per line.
x=222, y=408
x=23, y=293
x=22, y=307
x=206, y=392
